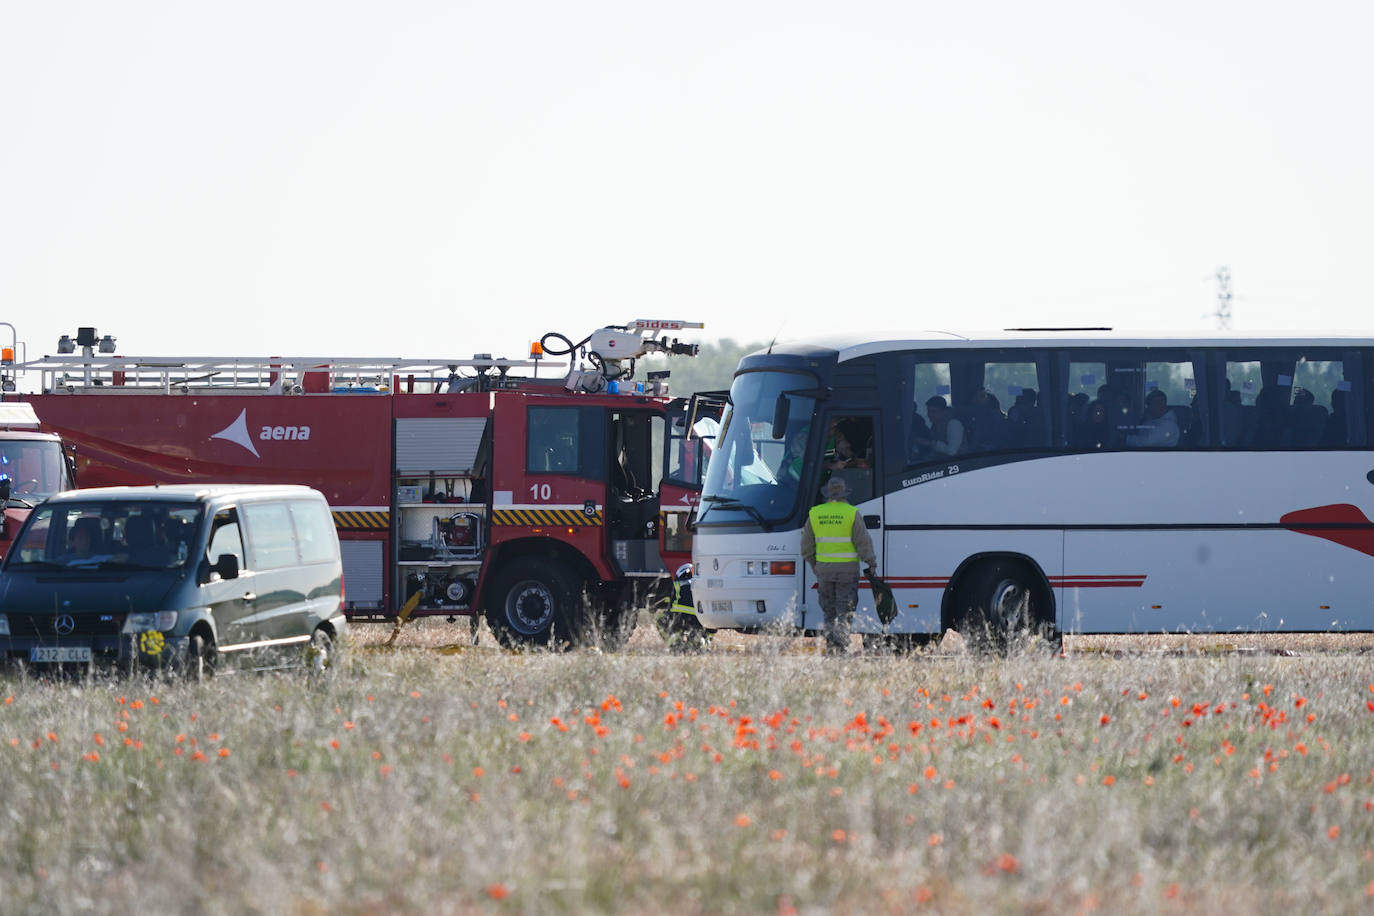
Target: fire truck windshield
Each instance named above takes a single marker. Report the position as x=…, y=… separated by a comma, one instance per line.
x=753, y=477
x=36, y=468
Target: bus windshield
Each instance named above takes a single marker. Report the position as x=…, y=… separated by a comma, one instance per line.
x=751, y=475
x=36, y=468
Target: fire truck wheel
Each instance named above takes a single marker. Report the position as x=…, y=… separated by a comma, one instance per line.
x=529, y=598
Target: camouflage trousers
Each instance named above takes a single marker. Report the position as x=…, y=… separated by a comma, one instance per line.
x=839, y=595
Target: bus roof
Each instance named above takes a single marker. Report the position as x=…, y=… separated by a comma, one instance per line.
x=849, y=346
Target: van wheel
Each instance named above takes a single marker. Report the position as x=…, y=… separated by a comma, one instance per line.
x=529, y=600
x=319, y=655
x=995, y=605
x=202, y=657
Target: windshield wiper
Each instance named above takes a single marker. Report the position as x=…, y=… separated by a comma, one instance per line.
x=730, y=502
x=23, y=503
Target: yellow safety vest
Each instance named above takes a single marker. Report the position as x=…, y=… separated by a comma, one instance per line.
x=680, y=606
x=833, y=525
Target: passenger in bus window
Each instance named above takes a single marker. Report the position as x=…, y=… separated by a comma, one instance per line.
x=918, y=434
x=946, y=432
x=1237, y=420
x=1159, y=427
x=1118, y=404
x=1076, y=407
x=1271, y=416
x=1334, y=433
x=1307, y=420
x=987, y=425
x=1025, y=419
x=1096, y=430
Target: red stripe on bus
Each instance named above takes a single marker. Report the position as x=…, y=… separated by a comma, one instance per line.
x=1353, y=528
x=1136, y=581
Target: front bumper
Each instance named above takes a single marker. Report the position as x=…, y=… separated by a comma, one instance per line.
x=149, y=649
x=745, y=602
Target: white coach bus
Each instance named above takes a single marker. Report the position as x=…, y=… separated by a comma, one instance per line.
x=1074, y=482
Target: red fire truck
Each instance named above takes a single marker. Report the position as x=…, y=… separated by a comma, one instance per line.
x=33, y=463
x=458, y=487
x=33, y=466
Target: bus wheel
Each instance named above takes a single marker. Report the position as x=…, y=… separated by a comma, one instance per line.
x=529, y=598
x=995, y=605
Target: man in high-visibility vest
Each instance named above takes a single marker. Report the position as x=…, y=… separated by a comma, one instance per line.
x=834, y=540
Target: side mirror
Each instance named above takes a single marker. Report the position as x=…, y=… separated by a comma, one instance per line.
x=782, y=409
x=227, y=566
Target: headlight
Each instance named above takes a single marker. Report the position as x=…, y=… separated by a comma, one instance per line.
x=4, y=625
x=150, y=620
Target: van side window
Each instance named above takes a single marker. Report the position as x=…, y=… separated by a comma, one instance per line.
x=271, y=540
x=314, y=531
x=225, y=537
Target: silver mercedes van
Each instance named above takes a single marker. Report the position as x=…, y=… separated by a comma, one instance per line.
x=175, y=577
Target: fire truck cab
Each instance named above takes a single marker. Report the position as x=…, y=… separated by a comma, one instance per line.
x=458, y=487
x=33, y=466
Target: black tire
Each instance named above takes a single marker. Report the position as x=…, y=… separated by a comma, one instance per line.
x=320, y=653
x=202, y=657
x=996, y=605
x=529, y=599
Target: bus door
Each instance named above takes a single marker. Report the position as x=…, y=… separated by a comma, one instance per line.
x=690, y=428
x=850, y=451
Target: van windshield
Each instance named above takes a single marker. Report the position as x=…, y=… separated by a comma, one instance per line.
x=123, y=534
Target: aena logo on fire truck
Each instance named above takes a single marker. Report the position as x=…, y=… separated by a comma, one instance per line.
x=237, y=433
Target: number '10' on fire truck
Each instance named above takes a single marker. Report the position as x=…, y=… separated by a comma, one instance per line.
x=553, y=505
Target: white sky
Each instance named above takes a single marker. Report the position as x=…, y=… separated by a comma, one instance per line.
x=441, y=178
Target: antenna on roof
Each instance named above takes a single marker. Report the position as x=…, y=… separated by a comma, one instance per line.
x=775, y=335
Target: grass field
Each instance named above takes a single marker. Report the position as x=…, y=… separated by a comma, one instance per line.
x=757, y=778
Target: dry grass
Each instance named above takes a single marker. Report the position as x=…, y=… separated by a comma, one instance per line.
x=438, y=777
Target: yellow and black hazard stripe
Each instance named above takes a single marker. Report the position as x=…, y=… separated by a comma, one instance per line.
x=361, y=519
x=570, y=518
